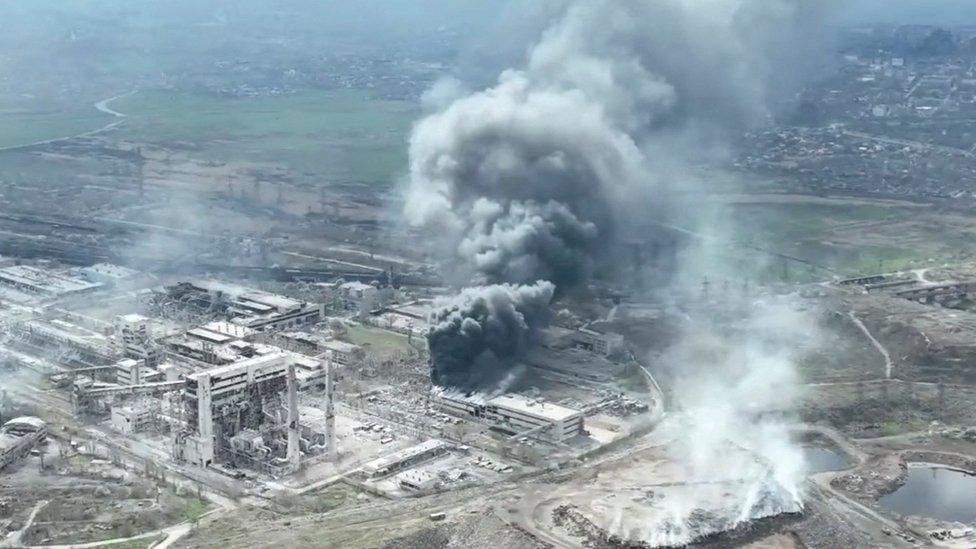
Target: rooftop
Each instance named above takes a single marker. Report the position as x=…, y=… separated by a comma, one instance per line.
x=110, y=270
x=404, y=454
x=341, y=346
x=535, y=408
x=45, y=281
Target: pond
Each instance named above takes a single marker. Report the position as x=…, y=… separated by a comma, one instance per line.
x=821, y=460
x=935, y=492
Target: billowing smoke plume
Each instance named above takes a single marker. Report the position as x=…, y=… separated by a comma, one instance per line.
x=538, y=176
x=736, y=388
x=533, y=178
x=477, y=336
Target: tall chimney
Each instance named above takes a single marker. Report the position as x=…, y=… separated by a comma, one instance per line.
x=330, y=438
x=294, y=441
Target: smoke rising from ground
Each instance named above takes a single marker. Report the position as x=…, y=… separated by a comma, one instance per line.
x=570, y=135
x=539, y=176
x=736, y=388
x=476, y=337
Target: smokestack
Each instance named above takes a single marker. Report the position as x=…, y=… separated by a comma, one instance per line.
x=294, y=442
x=330, y=438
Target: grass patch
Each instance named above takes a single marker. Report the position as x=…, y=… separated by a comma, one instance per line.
x=345, y=136
x=819, y=233
x=893, y=427
x=324, y=501
x=183, y=508
x=379, y=340
x=19, y=128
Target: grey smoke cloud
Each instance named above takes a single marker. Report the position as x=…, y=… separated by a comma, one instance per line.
x=477, y=337
x=573, y=129
x=536, y=177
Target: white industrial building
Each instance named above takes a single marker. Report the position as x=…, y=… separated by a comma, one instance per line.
x=344, y=353
x=114, y=275
x=131, y=418
x=228, y=408
x=129, y=371
x=515, y=415
x=599, y=342
x=405, y=459
x=42, y=283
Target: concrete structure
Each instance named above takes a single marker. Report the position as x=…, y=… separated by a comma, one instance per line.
x=418, y=481
x=308, y=343
x=223, y=402
x=515, y=415
x=358, y=296
x=248, y=307
x=133, y=333
x=405, y=459
x=343, y=353
x=129, y=372
x=932, y=294
x=330, y=440
x=294, y=455
x=115, y=276
x=90, y=346
x=601, y=343
x=131, y=418
x=44, y=283
x=18, y=436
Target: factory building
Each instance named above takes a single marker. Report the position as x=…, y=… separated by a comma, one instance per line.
x=217, y=399
x=89, y=345
x=343, y=353
x=129, y=371
x=115, y=276
x=36, y=282
x=254, y=309
x=405, y=459
x=313, y=344
x=301, y=342
x=18, y=436
x=596, y=341
x=515, y=415
x=246, y=414
x=131, y=418
x=133, y=333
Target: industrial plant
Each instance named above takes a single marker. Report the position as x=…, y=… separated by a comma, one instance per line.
x=521, y=275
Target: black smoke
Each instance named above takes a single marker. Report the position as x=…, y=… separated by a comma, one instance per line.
x=538, y=176
x=477, y=337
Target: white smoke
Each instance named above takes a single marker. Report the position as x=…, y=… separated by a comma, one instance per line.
x=735, y=389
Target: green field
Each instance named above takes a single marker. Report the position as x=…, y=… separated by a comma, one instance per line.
x=832, y=235
x=379, y=340
x=19, y=127
x=334, y=136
